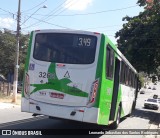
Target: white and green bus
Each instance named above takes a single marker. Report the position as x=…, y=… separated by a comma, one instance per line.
x=78, y=75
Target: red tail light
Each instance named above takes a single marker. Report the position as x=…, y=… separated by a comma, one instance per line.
x=81, y=111
x=93, y=92
x=26, y=85
x=96, y=33
x=60, y=65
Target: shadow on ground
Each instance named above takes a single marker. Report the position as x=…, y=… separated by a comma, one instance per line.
x=151, y=115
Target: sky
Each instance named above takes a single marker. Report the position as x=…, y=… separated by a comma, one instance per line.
x=103, y=16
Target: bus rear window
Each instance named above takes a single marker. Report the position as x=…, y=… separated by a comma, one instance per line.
x=65, y=48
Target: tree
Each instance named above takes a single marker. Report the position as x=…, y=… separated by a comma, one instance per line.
x=24, y=39
x=139, y=38
x=7, y=50
x=142, y=76
x=158, y=72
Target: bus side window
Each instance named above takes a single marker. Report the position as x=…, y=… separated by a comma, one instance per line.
x=132, y=79
x=110, y=62
x=121, y=73
x=135, y=81
x=122, y=77
x=129, y=77
x=125, y=70
x=126, y=74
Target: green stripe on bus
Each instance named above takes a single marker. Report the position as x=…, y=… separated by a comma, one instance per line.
x=105, y=91
x=99, y=70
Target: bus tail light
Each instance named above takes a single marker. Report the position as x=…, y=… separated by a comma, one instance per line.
x=93, y=92
x=97, y=33
x=26, y=85
x=81, y=111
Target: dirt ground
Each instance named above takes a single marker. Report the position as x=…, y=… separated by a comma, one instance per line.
x=8, y=99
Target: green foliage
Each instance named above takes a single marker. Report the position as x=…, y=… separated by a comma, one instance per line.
x=154, y=79
x=142, y=78
x=21, y=71
x=139, y=38
x=158, y=72
x=8, y=52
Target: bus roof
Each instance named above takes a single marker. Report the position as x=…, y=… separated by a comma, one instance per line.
x=67, y=30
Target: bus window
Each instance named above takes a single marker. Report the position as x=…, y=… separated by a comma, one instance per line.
x=121, y=73
x=122, y=78
x=133, y=77
x=129, y=77
x=126, y=74
x=110, y=63
x=65, y=48
x=40, y=50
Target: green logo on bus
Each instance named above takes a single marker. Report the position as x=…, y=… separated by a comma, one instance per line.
x=59, y=85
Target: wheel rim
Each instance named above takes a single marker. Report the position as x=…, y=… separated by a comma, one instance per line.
x=118, y=116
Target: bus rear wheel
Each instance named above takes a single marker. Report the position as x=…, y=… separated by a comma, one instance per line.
x=116, y=123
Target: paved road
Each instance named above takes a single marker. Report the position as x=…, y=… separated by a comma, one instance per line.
x=140, y=119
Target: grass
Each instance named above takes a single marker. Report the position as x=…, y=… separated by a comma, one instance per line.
x=8, y=99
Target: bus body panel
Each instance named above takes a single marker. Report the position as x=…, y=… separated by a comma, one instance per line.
x=83, y=114
x=25, y=104
x=126, y=94
x=127, y=98
x=106, y=90
x=48, y=94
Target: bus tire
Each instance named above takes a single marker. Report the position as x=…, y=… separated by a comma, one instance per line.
x=116, y=123
x=134, y=106
x=129, y=115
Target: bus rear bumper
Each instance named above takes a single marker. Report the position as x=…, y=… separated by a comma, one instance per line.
x=24, y=104
x=91, y=115
x=76, y=113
